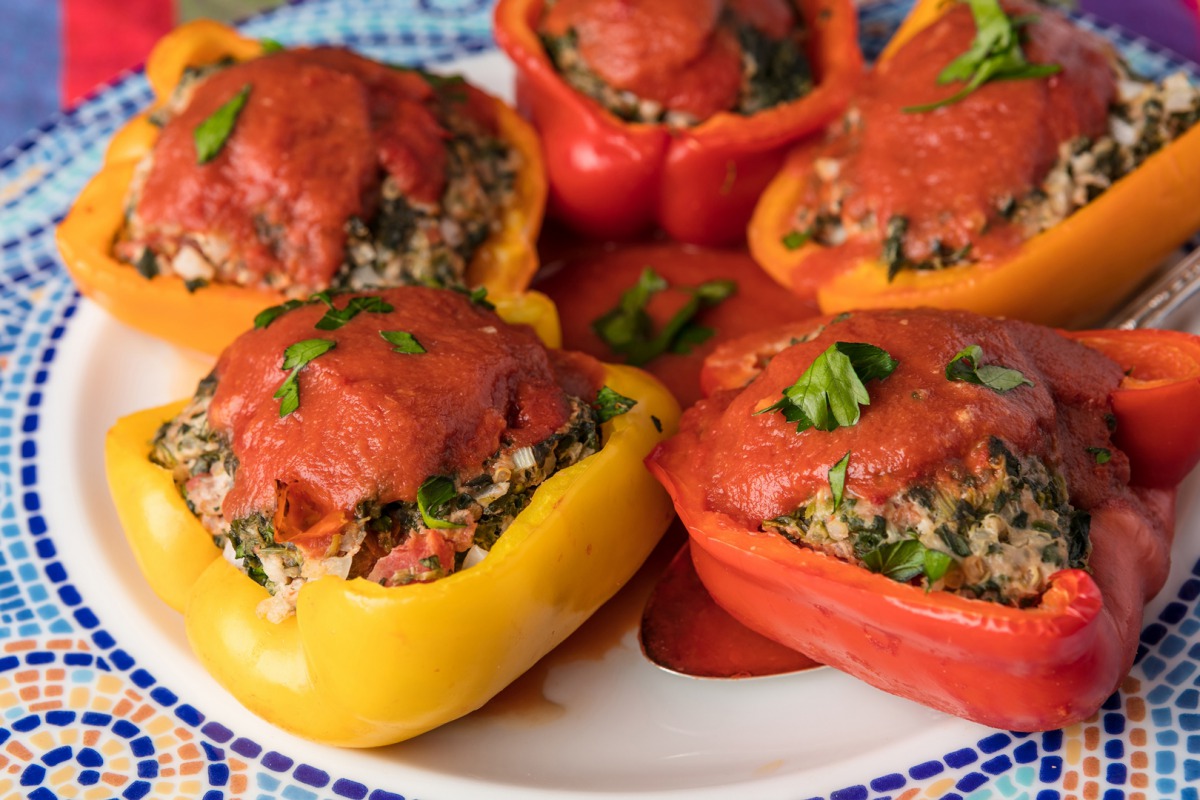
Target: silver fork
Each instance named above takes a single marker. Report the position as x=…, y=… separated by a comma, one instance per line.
x=1172, y=289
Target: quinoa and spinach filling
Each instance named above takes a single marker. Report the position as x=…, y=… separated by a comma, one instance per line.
x=997, y=536
x=471, y=509
x=774, y=71
x=1145, y=117
x=399, y=240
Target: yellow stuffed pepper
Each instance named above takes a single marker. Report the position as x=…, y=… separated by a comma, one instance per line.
x=377, y=581
x=262, y=174
x=998, y=160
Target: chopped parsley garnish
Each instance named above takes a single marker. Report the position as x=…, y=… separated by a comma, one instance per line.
x=192, y=284
x=295, y=358
x=629, y=331
x=837, y=480
x=830, y=392
x=335, y=318
x=611, y=404
x=270, y=46
x=432, y=563
x=994, y=55
x=269, y=315
x=1102, y=454
x=147, y=264
x=432, y=497
x=657, y=423
x=403, y=341
x=478, y=296
x=210, y=135
x=797, y=239
x=967, y=366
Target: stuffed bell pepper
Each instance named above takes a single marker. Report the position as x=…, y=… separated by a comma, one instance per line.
x=380, y=508
x=263, y=174
x=941, y=504
x=674, y=113
x=997, y=158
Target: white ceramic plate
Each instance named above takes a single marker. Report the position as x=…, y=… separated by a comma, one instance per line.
x=100, y=695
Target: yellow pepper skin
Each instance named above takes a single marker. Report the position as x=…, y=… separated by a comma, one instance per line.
x=1070, y=275
x=362, y=665
x=209, y=318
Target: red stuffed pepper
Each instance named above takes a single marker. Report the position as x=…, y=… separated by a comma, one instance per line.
x=675, y=113
x=955, y=509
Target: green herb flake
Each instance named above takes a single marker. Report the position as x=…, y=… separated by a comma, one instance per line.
x=295, y=358
x=611, y=404
x=967, y=367
x=478, y=296
x=270, y=46
x=192, y=284
x=269, y=315
x=431, y=563
x=994, y=55
x=656, y=422
x=937, y=564
x=335, y=318
x=432, y=497
x=794, y=240
x=1102, y=454
x=403, y=341
x=837, y=480
x=628, y=330
x=831, y=391
x=147, y=264
x=211, y=134
x=901, y=561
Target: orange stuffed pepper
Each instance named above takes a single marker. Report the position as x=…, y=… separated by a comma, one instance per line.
x=997, y=159
x=263, y=174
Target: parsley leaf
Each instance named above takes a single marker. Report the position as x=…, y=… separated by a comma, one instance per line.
x=432, y=497
x=404, y=342
x=478, y=296
x=269, y=315
x=830, y=392
x=335, y=318
x=794, y=240
x=837, y=480
x=994, y=55
x=1102, y=454
x=936, y=565
x=295, y=358
x=609, y=404
x=966, y=367
x=270, y=46
x=628, y=330
x=901, y=561
x=210, y=135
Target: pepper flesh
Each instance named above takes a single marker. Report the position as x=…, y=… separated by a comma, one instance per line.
x=362, y=665
x=1069, y=275
x=1022, y=669
x=210, y=317
x=613, y=179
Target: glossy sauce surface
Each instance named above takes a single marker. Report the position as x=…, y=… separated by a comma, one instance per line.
x=918, y=424
x=373, y=423
x=318, y=132
x=948, y=170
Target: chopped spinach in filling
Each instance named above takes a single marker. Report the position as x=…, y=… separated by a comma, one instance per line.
x=774, y=71
x=403, y=242
x=1145, y=117
x=480, y=508
x=995, y=536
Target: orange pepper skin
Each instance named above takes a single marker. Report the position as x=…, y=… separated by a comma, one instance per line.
x=1069, y=275
x=614, y=179
x=210, y=317
x=1026, y=669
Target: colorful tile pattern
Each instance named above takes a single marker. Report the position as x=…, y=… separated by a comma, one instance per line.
x=79, y=718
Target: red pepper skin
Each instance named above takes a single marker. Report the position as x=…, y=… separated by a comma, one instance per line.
x=1021, y=669
x=1158, y=426
x=614, y=179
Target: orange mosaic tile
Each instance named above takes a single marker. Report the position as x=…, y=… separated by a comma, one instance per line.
x=90, y=737
x=1091, y=790
x=19, y=750
x=1091, y=737
x=1137, y=737
x=1135, y=709
x=1071, y=781
x=1091, y=767
x=46, y=705
x=19, y=647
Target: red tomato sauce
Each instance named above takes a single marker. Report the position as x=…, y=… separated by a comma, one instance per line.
x=586, y=281
x=675, y=52
x=918, y=424
x=374, y=424
x=948, y=170
x=318, y=132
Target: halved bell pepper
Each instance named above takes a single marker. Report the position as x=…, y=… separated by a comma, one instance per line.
x=361, y=665
x=613, y=179
x=1069, y=275
x=210, y=317
x=1022, y=669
